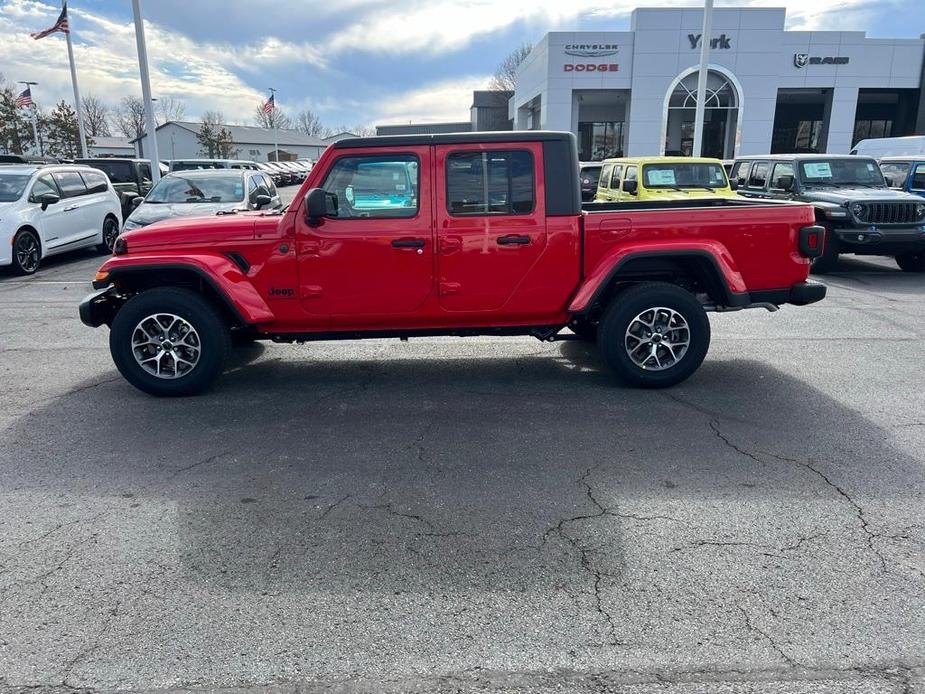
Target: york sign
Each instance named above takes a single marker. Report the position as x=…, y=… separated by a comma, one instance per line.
x=721, y=41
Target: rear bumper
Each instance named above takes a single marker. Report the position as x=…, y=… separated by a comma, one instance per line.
x=800, y=294
x=99, y=308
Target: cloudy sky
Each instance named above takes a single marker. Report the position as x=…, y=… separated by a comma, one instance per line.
x=351, y=61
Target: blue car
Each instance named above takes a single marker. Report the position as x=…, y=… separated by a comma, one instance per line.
x=905, y=173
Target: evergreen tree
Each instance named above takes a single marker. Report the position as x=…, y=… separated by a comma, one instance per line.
x=15, y=123
x=62, y=134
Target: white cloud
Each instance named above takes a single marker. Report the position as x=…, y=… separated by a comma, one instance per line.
x=440, y=25
x=107, y=62
x=448, y=100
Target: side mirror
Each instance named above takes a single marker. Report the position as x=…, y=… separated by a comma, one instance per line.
x=733, y=185
x=319, y=204
x=137, y=200
x=785, y=183
x=262, y=201
x=49, y=199
x=630, y=187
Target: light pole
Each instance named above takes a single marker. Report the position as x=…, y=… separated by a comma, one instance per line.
x=146, y=91
x=702, y=77
x=35, y=128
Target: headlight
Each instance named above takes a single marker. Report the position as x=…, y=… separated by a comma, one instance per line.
x=130, y=224
x=857, y=209
x=920, y=210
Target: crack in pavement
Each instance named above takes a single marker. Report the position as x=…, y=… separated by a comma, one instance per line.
x=584, y=560
x=767, y=637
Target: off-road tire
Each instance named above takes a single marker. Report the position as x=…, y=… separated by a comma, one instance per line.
x=213, y=339
x=622, y=314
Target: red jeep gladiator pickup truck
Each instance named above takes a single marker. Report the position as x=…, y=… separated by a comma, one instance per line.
x=458, y=234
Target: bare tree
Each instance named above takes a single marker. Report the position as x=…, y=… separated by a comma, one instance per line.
x=503, y=79
x=276, y=118
x=96, y=116
x=129, y=116
x=167, y=108
x=362, y=130
x=309, y=123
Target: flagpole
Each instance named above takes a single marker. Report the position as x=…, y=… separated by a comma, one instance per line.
x=35, y=128
x=146, y=91
x=275, y=124
x=77, y=103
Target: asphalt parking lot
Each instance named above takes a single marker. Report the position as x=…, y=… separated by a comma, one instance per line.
x=482, y=514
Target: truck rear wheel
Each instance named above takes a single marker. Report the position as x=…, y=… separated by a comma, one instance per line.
x=654, y=335
x=169, y=342
x=911, y=262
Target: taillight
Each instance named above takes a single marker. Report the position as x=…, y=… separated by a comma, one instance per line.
x=811, y=240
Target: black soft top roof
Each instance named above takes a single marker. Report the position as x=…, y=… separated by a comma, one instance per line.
x=454, y=138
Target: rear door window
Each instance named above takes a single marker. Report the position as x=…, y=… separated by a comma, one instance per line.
x=631, y=174
x=95, y=181
x=490, y=182
x=70, y=184
x=615, y=178
x=606, y=174
x=759, y=176
x=739, y=172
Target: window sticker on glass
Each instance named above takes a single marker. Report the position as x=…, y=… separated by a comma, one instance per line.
x=870, y=167
x=818, y=169
x=660, y=177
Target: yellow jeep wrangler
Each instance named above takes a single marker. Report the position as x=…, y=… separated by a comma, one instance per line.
x=662, y=178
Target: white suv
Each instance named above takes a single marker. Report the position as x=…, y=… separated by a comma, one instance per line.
x=52, y=209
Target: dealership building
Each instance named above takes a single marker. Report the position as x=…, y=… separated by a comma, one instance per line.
x=632, y=93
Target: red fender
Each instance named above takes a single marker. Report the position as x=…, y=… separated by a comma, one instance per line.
x=225, y=277
x=610, y=264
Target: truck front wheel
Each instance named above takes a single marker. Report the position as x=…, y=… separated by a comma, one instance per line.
x=169, y=342
x=654, y=335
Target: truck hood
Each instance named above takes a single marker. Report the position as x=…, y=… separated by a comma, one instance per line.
x=839, y=196
x=148, y=213
x=202, y=231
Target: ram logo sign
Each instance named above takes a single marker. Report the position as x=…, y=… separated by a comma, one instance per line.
x=804, y=59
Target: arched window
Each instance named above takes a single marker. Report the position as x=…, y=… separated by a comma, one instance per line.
x=720, y=92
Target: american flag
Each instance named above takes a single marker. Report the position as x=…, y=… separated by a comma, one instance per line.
x=270, y=106
x=24, y=99
x=61, y=25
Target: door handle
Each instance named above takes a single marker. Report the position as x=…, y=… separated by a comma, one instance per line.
x=71, y=208
x=408, y=243
x=513, y=240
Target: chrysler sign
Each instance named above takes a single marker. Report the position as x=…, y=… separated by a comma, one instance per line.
x=591, y=50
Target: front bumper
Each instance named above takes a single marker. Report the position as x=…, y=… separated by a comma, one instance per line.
x=99, y=308
x=876, y=236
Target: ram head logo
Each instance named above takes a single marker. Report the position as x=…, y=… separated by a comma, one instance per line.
x=800, y=59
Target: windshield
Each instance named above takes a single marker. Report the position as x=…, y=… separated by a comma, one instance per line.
x=684, y=175
x=12, y=186
x=175, y=189
x=896, y=172
x=842, y=172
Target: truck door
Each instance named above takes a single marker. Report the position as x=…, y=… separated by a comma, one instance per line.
x=491, y=221
x=375, y=257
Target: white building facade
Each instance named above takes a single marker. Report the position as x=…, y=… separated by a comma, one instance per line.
x=769, y=90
